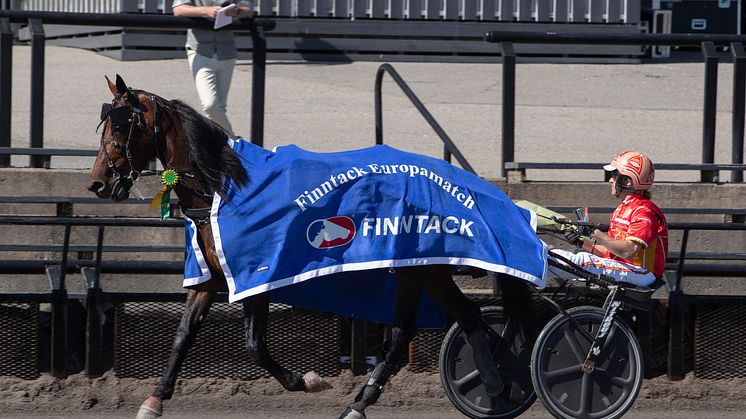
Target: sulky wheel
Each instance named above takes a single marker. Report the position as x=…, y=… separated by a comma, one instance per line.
x=564, y=389
x=461, y=380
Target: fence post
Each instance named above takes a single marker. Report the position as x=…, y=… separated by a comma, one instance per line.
x=58, y=338
x=508, y=117
x=93, y=355
x=37, y=92
x=378, y=104
x=739, y=106
x=676, y=335
x=56, y=277
x=94, y=345
x=258, y=75
x=359, y=347
x=6, y=74
x=710, y=108
x=676, y=317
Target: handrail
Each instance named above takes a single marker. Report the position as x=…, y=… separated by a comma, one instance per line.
x=680, y=39
x=90, y=221
x=62, y=199
x=113, y=248
x=131, y=20
x=712, y=169
x=49, y=152
x=515, y=165
x=666, y=210
x=36, y=20
x=449, y=146
x=707, y=44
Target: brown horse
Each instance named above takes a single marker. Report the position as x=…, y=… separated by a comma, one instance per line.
x=139, y=126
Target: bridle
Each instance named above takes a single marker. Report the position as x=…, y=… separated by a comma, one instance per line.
x=126, y=119
x=130, y=119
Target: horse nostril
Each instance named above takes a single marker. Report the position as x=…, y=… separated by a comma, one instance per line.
x=96, y=186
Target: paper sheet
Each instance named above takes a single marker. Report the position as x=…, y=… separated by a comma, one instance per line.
x=222, y=19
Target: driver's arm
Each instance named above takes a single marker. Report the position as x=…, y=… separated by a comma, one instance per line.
x=625, y=249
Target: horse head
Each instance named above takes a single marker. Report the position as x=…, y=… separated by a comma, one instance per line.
x=129, y=140
x=139, y=126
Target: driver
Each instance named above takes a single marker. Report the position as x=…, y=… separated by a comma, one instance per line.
x=634, y=249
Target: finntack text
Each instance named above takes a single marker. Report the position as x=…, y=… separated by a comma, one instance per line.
x=310, y=197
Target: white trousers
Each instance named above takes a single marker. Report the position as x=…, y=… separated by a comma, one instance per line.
x=622, y=272
x=212, y=77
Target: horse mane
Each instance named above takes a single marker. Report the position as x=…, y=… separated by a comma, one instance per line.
x=208, y=150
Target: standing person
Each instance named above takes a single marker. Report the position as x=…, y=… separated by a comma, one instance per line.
x=211, y=55
x=634, y=249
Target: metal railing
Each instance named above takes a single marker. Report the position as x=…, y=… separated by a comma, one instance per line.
x=448, y=146
x=36, y=21
x=707, y=44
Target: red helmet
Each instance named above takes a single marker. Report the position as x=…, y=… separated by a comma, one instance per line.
x=635, y=166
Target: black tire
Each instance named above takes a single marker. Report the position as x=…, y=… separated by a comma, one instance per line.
x=609, y=390
x=461, y=380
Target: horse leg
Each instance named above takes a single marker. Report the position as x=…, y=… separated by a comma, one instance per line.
x=256, y=319
x=448, y=295
x=518, y=305
x=197, y=306
x=408, y=290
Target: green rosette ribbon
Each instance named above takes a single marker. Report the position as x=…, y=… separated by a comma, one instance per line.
x=169, y=179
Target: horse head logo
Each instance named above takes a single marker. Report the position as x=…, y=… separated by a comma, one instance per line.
x=330, y=232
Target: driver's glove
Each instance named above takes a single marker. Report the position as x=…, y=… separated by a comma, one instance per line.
x=572, y=236
x=585, y=230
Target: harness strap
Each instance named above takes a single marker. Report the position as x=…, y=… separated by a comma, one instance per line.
x=198, y=215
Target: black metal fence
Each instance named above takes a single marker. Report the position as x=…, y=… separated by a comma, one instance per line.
x=36, y=21
x=707, y=44
x=297, y=339
x=66, y=332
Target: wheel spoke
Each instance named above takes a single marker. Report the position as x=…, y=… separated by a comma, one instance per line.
x=614, y=379
x=572, y=340
x=586, y=396
x=588, y=334
x=469, y=381
x=562, y=372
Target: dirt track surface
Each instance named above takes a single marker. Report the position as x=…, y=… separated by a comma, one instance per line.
x=409, y=395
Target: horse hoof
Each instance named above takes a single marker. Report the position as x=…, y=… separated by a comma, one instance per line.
x=150, y=410
x=314, y=383
x=352, y=414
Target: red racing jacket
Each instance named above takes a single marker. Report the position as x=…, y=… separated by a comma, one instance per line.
x=639, y=220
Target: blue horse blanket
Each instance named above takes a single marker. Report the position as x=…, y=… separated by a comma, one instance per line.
x=331, y=224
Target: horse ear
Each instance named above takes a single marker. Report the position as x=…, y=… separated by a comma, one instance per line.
x=121, y=85
x=112, y=86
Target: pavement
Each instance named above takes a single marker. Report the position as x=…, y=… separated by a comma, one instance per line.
x=564, y=112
